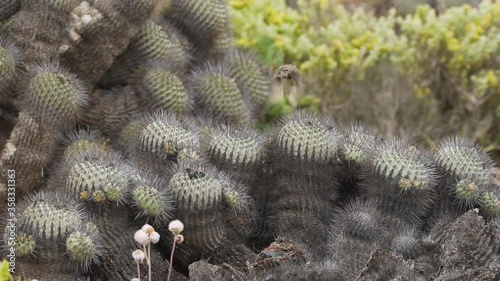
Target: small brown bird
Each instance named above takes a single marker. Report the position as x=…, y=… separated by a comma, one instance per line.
x=496, y=177
x=288, y=72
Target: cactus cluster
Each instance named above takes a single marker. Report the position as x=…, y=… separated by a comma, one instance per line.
x=236, y=150
x=219, y=96
x=167, y=90
x=358, y=140
x=247, y=72
x=467, y=176
x=403, y=177
x=56, y=228
x=83, y=141
x=9, y=61
x=98, y=178
x=125, y=112
x=301, y=193
x=205, y=23
x=151, y=198
x=159, y=137
x=55, y=94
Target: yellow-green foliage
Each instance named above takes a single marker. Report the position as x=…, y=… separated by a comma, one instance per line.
x=451, y=58
x=321, y=38
x=464, y=42
x=4, y=272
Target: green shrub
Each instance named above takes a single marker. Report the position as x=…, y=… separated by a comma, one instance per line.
x=4, y=272
x=422, y=75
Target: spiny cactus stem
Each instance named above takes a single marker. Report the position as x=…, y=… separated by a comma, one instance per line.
x=37, y=31
x=106, y=35
x=27, y=153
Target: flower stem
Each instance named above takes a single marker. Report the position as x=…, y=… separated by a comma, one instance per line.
x=138, y=271
x=149, y=259
x=145, y=251
x=171, y=258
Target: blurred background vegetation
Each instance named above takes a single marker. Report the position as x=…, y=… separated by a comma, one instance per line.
x=420, y=69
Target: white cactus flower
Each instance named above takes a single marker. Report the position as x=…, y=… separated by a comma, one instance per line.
x=155, y=237
x=176, y=227
x=139, y=255
x=141, y=237
x=147, y=228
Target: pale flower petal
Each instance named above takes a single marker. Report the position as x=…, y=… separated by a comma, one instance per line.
x=155, y=237
x=138, y=255
x=141, y=237
x=176, y=227
x=147, y=228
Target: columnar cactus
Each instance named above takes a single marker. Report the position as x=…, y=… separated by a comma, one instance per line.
x=359, y=140
x=407, y=243
x=38, y=30
x=466, y=176
x=98, y=178
x=159, y=137
x=156, y=42
x=9, y=8
x=56, y=95
x=84, y=141
x=59, y=5
x=201, y=20
x=202, y=192
x=238, y=151
x=165, y=90
x=99, y=31
x=355, y=230
x=305, y=140
x=109, y=110
x=248, y=74
x=302, y=189
x=219, y=96
x=85, y=245
x=360, y=219
x=403, y=178
x=205, y=23
x=51, y=216
x=6, y=25
x=152, y=88
x=160, y=43
x=48, y=220
x=204, y=196
x=117, y=227
x=9, y=62
x=52, y=102
x=151, y=199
